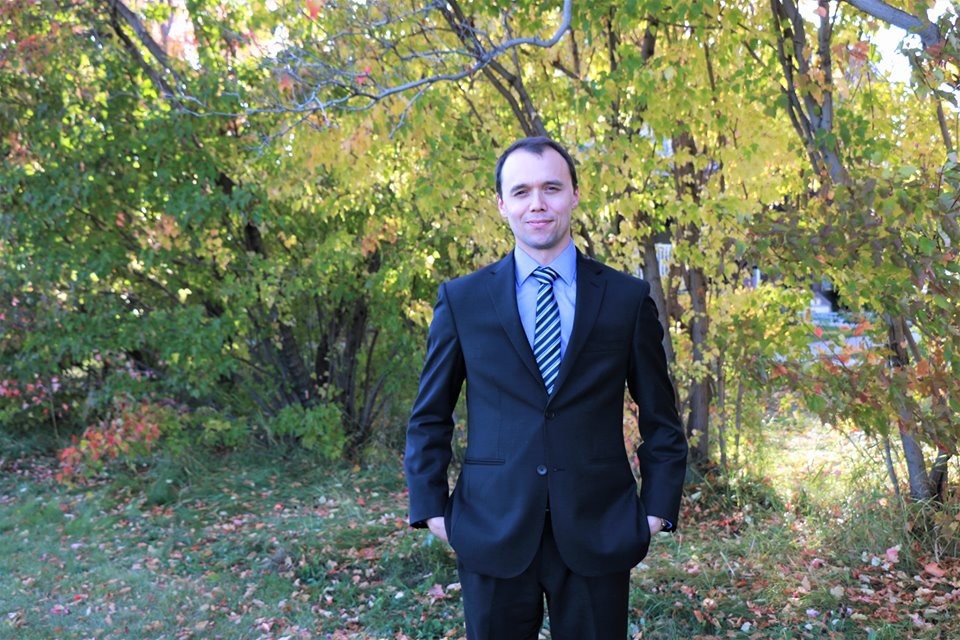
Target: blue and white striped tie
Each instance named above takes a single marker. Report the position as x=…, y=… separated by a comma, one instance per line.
x=546, y=334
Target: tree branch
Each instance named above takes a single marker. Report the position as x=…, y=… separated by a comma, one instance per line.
x=944, y=129
x=331, y=85
x=928, y=31
x=118, y=9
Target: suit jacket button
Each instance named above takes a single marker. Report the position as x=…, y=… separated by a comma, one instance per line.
x=542, y=470
x=551, y=414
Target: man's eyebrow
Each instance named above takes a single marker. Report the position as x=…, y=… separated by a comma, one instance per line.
x=547, y=183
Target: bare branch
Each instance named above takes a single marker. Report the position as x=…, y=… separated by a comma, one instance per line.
x=944, y=129
x=406, y=110
x=928, y=31
x=811, y=114
x=795, y=109
x=324, y=81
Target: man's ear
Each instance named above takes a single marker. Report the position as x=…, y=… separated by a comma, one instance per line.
x=503, y=213
x=576, y=196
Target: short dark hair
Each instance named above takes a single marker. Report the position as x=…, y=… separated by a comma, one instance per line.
x=535, y=145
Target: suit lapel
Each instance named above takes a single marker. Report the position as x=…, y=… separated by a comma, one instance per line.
x=590, y=288
x=502, y=287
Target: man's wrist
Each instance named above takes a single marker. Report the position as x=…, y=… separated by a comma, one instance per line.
x=665, y=525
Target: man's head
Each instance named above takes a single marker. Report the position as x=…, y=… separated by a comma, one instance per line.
x=535, y=146
x=536, y=193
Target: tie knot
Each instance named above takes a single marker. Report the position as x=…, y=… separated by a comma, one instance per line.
x=545, y=275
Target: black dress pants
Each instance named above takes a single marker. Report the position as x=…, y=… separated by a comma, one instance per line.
x=581, y=608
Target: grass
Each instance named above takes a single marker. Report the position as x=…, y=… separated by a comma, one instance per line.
x=250, y=546
x=247, y=549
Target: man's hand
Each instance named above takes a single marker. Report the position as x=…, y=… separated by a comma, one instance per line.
x=655, y=525
x=438, y=528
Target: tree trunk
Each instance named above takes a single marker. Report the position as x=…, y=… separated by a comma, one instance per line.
x=698, y=419
x=722, y=410
x=347, y=376
x=938, y=476
x=651, y=273
x=891, y=469
x=916, y=468
x=741, y=388
x=918, y=478
x=293, y=362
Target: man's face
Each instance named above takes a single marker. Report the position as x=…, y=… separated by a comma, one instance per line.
x=538, y=196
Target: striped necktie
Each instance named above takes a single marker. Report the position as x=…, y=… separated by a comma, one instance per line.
x=546, y=335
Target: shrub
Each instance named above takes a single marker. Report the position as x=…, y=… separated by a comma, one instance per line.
x=218, y=431
x=40, y=401
x=130, y=431
x=318, y=429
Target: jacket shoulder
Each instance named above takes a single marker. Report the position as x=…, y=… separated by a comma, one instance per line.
x=480, y=276
x=620, y=279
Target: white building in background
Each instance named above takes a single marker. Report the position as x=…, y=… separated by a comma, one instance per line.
x=820, y=305
x=664, y=252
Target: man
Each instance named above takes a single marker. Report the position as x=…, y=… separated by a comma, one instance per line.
x=546, y=504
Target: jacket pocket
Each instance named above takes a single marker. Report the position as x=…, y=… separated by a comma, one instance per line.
x=483, y=461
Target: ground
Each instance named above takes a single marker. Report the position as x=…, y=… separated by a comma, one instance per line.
x=264, y=547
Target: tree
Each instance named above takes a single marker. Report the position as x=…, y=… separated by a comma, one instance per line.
x=596, y=64
x=149, y=249
x=904, y=213
x=255, y=215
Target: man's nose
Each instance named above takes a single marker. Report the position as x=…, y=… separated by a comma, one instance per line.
x=537, y=201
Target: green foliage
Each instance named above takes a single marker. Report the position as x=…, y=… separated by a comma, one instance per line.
x=218, y=431
x=263, y=257
x=318, y=429
x=145, y=250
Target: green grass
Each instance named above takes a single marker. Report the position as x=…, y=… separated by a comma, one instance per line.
x=254, y=546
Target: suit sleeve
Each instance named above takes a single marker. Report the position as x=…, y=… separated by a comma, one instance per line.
x=663, y=452
x=430, y=430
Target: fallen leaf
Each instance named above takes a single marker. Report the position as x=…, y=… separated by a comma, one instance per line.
x=893, y=554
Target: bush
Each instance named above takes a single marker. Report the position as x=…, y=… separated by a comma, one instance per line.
x=217, y=431
x=130, y=431
x=318, y=429
x=23, y=405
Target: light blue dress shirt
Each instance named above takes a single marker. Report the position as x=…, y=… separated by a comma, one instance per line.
x=564, y=288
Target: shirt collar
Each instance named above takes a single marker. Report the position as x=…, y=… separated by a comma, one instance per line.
x=564, y=264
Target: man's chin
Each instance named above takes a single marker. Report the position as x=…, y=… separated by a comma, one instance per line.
x=541, y=243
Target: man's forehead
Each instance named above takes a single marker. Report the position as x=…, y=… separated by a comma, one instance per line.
x=525, y=167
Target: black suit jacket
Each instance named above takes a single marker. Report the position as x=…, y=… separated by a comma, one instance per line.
x=525, y=446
